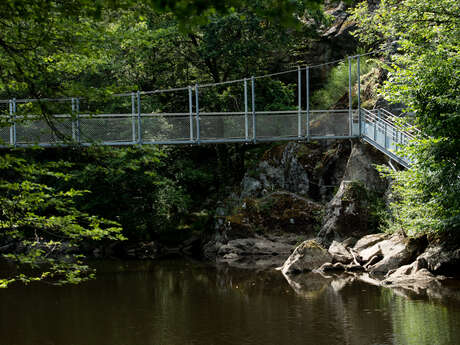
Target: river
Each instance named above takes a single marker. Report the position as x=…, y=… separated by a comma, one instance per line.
x=181, y=302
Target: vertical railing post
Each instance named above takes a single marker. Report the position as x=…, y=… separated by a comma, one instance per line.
x=253, y=103
x=72, y=118
x=350, y=99
x=299, y=110
x=375, y=124
x=385, y=136
x=197, y=109
x=307, y=77
x=139, y=119
x=10, y=109
x=133, y=117
x=246, y=120
x=358, y=67
x=13, y=120
x=190, y=110
x=77, y=110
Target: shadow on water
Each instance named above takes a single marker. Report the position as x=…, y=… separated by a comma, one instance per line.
x=181, y=302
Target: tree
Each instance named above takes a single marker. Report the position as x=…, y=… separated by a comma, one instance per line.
x=424, y=75
x=40, y=225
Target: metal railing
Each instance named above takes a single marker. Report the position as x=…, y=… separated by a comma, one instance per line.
x=116, y=129
x=189, y=116
x=379, y=130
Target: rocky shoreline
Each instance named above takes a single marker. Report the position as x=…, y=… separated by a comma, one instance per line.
x=287, y=217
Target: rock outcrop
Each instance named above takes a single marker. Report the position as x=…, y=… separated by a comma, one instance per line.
x=353, y=211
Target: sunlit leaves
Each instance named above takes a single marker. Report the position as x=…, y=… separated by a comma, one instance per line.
x=424, y=76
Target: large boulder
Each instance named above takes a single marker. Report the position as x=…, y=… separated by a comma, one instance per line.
x=395, y=252
x=308, y=256
x=361, y=167
x=351, y=213
x=339, y=253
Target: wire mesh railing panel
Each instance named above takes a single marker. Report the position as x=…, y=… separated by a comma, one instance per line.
x=37, y=131
x=331, y=123
x=5, y=123
x=221, y=126
x=4, y=134
x=165, y=128
x=106, y=128
x=277, y=125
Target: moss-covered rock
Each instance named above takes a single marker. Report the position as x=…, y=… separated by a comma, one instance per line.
x=308, y=256
x=278, y=212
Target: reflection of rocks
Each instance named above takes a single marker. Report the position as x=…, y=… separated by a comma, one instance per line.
x=308, y=285
x=378, y=259
x=257, y=251
x=308, y=256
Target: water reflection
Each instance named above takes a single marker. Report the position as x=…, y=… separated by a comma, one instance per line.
x=183, y=302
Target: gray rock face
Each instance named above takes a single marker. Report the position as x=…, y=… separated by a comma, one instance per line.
x=360, y=167
x=348, y=214
x=280, y=173
x=308, y=256
x=250, y=186
x=339, y=253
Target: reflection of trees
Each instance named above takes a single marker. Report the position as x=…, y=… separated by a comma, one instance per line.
x=421, y=322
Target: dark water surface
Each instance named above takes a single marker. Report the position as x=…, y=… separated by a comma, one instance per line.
x=178, y=302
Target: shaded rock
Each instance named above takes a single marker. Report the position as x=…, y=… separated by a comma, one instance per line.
x=339, y=253
x=411, y=277
x=250, y=186
x=254, y=246
x=308, y=256
x=442, y=260
x=351, y=213
x=279, y=169
x=275, y=212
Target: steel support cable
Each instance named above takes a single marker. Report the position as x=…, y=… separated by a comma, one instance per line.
x=302, y=68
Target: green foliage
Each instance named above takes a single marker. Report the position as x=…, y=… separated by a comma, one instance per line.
x=128, y=185
x=423, y=75
x=45, y=222
x=336, y=85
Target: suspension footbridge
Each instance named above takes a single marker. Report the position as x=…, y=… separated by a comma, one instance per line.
x=141, y=118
